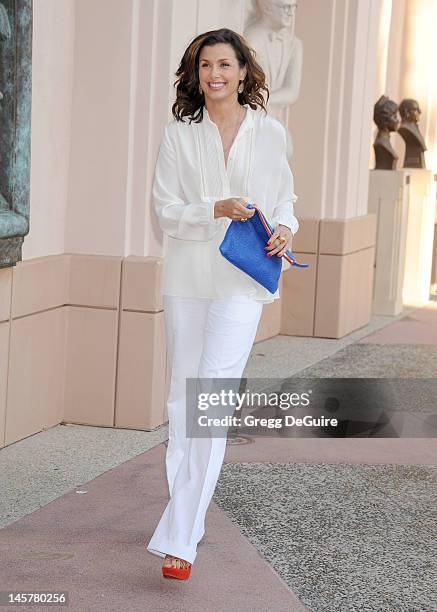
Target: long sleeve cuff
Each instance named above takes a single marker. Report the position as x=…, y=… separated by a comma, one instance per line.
x=286, y=217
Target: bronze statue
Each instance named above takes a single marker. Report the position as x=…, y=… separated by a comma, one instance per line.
x=15, y=127
x=5, y=30
x=409, y=110
x=385, y=115
x=5, y=27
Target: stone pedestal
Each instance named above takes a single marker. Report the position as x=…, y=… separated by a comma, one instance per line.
x=388, y=199
x=434, y=262
x=420, y=237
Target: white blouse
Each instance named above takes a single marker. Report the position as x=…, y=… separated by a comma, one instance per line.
x=190, y=176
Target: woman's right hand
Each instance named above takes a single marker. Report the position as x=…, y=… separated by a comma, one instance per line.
x=234, y=208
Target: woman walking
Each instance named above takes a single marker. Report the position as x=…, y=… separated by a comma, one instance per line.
x=221, y=151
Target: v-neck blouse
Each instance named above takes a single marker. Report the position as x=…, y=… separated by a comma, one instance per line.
x=190, y=176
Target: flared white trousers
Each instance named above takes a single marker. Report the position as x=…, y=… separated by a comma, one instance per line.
x=206, y=338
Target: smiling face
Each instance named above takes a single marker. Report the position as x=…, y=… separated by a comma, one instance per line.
x=219, y=72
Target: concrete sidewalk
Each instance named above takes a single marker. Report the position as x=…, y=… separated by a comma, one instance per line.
x=317, y=524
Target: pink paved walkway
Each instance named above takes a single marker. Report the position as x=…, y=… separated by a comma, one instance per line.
x=101, y=536
x=94, y=545
x=419, y=327
x=411, y=451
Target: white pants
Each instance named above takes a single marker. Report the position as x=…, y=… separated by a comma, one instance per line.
x=206, y=338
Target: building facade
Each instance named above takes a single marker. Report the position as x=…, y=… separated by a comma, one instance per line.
x=81, y=319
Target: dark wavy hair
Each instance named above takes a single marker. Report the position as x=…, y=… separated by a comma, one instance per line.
x=190, y=102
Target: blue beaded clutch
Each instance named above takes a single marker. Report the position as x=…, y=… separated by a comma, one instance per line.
x=243, y=246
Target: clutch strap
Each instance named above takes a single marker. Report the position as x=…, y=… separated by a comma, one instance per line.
x=289, y=256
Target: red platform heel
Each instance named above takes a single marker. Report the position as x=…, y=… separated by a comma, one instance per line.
x=177, y=568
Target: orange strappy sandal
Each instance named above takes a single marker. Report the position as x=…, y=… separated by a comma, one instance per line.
x=179, y=568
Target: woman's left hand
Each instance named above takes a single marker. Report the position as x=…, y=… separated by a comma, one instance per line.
x=278, y=247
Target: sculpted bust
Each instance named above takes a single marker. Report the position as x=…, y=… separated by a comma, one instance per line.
x=409, y=111
x=385, y=115
x=270, y=32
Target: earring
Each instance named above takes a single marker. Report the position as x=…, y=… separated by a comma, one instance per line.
x=200, y=89
x=241, y=87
